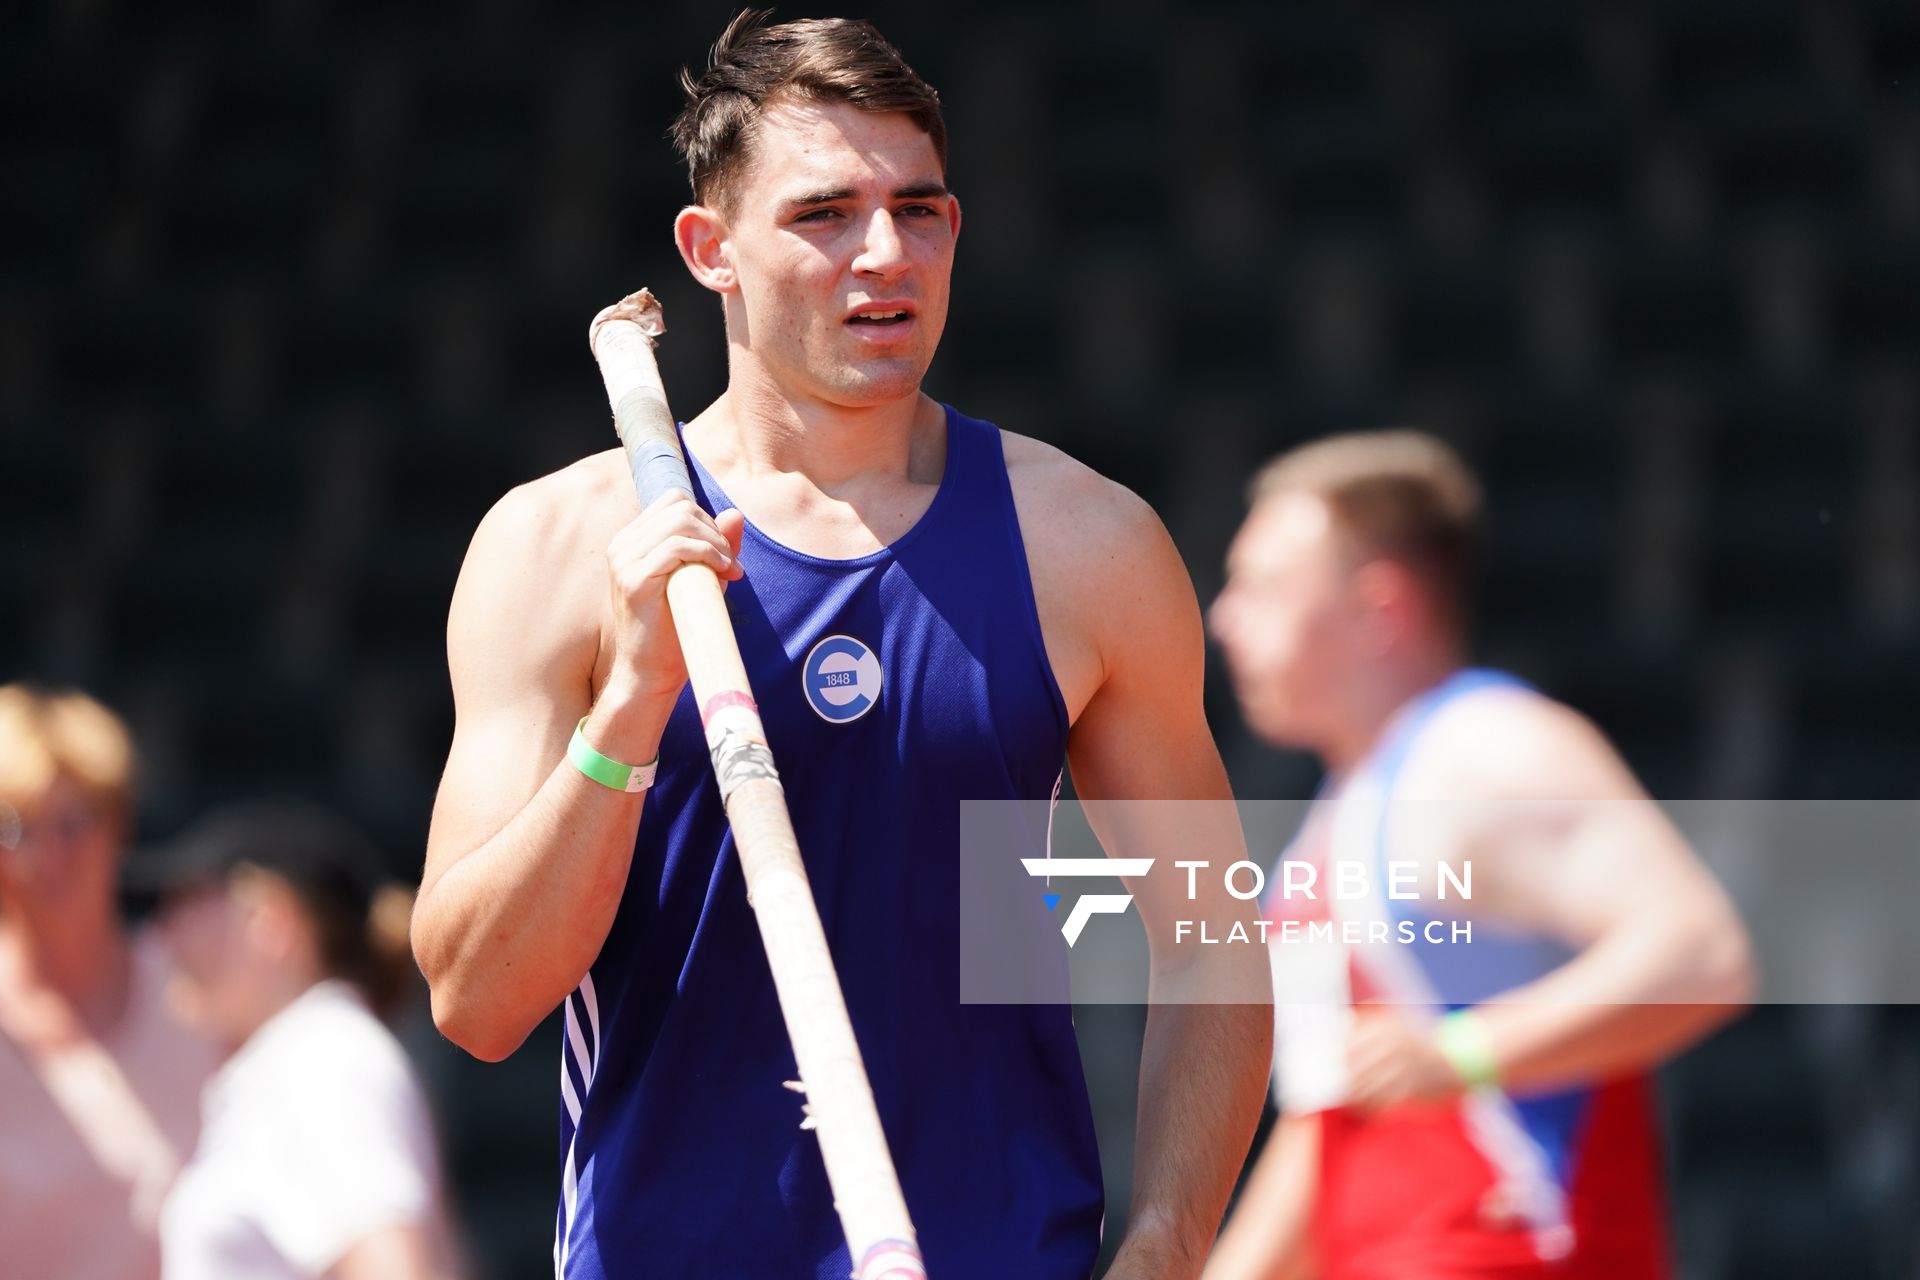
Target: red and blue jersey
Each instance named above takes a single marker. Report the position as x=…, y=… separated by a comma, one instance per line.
x=1563, y=1184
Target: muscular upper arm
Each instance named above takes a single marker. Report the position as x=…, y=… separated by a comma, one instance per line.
x=522, y=637
x=1122, y=629
x=1561, y=837
x=1143, y=734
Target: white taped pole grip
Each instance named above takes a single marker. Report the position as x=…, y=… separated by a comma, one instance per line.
x=622, y=339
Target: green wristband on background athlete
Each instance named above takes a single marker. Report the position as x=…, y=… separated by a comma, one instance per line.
x=1463, y=1041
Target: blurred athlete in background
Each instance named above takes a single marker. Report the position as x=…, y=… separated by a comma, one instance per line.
x=1451, y=1108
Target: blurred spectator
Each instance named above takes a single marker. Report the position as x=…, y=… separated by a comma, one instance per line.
x=318, y=1154
x=99, y=1085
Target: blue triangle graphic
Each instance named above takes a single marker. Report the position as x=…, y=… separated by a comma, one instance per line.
x=1053, y=900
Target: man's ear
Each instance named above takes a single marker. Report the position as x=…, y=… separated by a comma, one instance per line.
x=701, y=236
x=953, y=216
x=1387, y=595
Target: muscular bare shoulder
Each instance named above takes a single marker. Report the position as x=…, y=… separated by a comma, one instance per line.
x=1504, y=779
x=535, y=572
x=585, y=501
x=1106, y=576
x=1515, y=745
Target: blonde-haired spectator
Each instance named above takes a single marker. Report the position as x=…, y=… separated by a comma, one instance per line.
x=99, y=1083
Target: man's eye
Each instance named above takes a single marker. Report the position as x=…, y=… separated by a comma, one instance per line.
x=920, y=210
x=818, y=215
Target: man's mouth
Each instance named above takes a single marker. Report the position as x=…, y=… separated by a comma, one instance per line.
x=881, y=317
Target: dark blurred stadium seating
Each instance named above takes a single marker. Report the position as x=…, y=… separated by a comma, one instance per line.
x=292, y=292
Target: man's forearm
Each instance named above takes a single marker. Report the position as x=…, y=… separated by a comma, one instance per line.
x=1625, y=1003
x=1203, y=1075
x=1557, y=1046
x=1268, y=1237
x=512, y=926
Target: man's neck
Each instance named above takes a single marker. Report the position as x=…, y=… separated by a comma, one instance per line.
x=760, y=428
x=1378, y=699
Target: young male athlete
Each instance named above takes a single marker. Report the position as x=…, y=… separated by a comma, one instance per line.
x=1485, y=1111
x=930, y=611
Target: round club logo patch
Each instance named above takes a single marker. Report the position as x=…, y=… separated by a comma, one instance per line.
x=841, y=677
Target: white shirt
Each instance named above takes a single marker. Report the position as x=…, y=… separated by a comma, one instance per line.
x=313, y=1136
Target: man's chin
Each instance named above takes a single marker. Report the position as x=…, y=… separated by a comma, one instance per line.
x=875, y=381
x=1274, y=726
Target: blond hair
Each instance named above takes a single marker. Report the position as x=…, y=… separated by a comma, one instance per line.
x=1399, y=495
x=48, y=734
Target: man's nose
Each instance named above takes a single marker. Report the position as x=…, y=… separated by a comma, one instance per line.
x=883, y=254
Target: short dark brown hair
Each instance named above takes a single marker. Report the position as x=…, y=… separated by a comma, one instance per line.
x=1400, y=495
x=819, y=59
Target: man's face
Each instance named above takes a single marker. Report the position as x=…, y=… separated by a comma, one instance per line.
x=838, y=215
x=1286, y=619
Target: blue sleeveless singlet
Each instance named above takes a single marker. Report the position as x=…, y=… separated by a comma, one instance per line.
x=893, y=686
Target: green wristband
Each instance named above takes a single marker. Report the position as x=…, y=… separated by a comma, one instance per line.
x=1463, y=1041
x=629, y=778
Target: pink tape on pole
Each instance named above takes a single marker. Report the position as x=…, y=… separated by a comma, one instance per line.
x=891, y=1260
x=721, y=701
